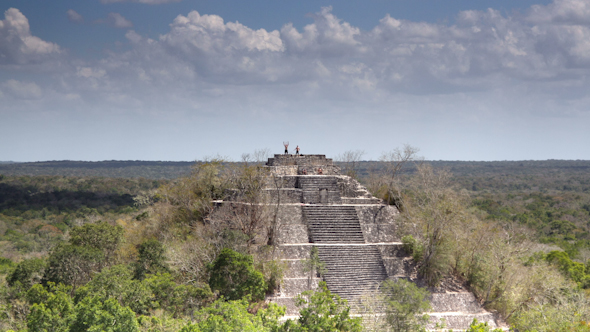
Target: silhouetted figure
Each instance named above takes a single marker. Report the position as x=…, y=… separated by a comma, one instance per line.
x=297, y=150
x=286, y=144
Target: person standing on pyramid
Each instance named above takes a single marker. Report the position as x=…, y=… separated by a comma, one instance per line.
x=286, y=144
x=297, y=150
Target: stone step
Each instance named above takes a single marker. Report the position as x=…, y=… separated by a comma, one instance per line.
x=352, y=270
x=460, y=320
x=455, y=302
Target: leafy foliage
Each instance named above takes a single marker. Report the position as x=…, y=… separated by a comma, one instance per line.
x=51, y=311
x=27, y=273
x=94, y=315
x=234, y=276
x=405, y=305
x=151, y=259
x=234, y=316
x=322, y=311
x=475, y=326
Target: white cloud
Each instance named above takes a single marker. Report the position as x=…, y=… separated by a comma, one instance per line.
x=482, y=51
x=74, y=17
x=118, y=21
x=391, y=68
x=23, y=90
x=17, y=45
x=561, y=11
x=88, y=72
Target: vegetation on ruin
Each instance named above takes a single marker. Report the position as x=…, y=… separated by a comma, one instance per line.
x=80, y=251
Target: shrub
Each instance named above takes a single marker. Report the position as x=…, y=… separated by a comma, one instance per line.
x=405, y=304
x=234, y=276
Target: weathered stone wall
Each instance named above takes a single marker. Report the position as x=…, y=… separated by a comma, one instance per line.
x=350, y=187
x=396, y=260
x=287, y=195
x=301, y=160
x=296, y=279
x=291, y=227
x=378, y=223
x=284, y=170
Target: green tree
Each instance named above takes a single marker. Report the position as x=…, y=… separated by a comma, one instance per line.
x=72, y=265
x=95, y=315
x=27, y=273
x=235, y=316
x=117, y=283
x=54, y=314
x=573, y=270
x=174, y=298
x=151, y=259
x=322, y=311
x=234, y=276
x=405, y=304
x=99, y=236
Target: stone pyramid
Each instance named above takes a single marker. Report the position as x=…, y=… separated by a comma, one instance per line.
x=355, y=236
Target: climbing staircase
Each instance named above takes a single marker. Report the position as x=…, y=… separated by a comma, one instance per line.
x=353, y=267
x=333, y=224
x=352, y=270
x=318, y=189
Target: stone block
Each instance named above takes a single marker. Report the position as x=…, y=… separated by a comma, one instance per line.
x=460, y=321
x=287, y=195
x=288, y=303
x=290, y=287
x=454, y=302
x=395, y=267
x=292, y=233
x=392, y=250
x=377, y=214
x=377, y=233
x=295, y=269
x=289, y=214
x=294, y=251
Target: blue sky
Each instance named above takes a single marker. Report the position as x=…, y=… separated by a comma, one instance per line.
x=183, y=80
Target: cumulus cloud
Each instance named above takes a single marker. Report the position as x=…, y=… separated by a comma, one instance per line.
x=118, y=21
x=74, y=17
x=18, y=45
x=23, y=90
x=484, y=52
x=481, y=51
x=561, y=11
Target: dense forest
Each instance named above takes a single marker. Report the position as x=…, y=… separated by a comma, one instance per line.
x=138, y=246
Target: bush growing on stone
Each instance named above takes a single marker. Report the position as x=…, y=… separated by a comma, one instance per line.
x=321, y=311
x=413, y=247
x=480, y=327
x=405, y=304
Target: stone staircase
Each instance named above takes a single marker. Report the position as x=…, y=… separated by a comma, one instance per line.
x=456, y=310
x=353, y=267
x=333, y=224
x=352, y=270
x=320, y=189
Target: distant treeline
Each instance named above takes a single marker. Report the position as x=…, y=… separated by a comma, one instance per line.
x=176, y=169
x=111, y=169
